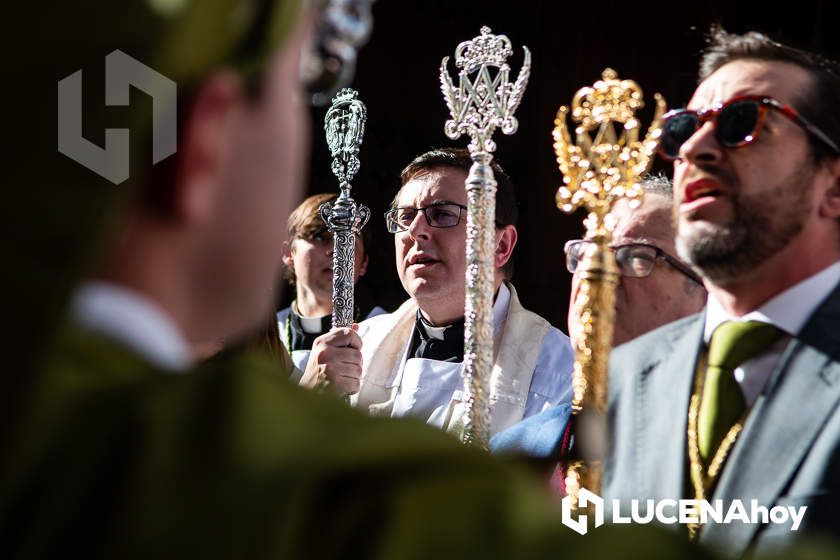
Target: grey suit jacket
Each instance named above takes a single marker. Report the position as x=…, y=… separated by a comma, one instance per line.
x=787, y=453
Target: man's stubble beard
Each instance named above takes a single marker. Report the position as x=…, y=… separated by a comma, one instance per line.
x=763, y=224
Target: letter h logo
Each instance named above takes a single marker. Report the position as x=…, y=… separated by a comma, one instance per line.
x=112, y=162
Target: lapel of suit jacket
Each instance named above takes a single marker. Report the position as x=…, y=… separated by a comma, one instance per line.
x=802, y=392
x=661, y=411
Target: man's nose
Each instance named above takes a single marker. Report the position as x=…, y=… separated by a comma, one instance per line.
x=702, y=146
x=419, y=227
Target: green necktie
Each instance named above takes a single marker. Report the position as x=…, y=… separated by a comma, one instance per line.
x=732, y=344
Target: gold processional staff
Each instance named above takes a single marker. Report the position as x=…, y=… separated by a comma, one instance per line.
x=603, y=166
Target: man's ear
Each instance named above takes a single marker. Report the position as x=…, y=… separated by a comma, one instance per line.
x=288, y=260
x=506, y=237
x=830, y=203
x=207, y=142
x=363, y=268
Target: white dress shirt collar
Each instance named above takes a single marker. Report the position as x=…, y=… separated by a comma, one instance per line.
x=500, y=307
x=788, y=311
x=133, y=320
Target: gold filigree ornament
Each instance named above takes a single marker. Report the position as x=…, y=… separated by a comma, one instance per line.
x=604, y=165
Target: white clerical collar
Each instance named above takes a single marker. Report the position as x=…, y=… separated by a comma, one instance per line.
x=432, y=331
x=500, y=307
x=310, y=325
x=131, y=319
x=788, y=311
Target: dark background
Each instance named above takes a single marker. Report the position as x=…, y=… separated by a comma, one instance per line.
x=655, y=43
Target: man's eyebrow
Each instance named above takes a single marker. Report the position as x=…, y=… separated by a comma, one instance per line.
x=435, y=202
x=633, y=240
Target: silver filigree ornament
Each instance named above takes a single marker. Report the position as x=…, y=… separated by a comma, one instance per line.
x=484, y=100
x=487, y=101
x=344, y=125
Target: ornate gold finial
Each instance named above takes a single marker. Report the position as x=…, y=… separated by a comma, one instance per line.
x=608, y=159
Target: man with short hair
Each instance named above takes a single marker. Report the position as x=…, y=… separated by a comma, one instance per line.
x=308, y=264
x=413, y=358
x=741, y=401
x=654, y=288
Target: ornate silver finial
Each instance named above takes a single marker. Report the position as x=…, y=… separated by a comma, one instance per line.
x=344, y=125
x=481, y=104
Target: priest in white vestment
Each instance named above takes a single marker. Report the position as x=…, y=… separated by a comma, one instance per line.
x=412, y=359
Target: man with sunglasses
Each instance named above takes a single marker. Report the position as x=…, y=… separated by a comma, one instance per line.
x=741, y=401
x=412, y=359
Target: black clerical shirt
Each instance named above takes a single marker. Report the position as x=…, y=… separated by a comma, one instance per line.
x=424, y=343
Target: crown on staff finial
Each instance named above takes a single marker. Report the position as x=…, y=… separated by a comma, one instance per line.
x=608, y=99
x=486, y=49
x=345, y=95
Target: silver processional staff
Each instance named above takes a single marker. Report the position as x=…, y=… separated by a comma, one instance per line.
x=344, y=126
x=483, y=100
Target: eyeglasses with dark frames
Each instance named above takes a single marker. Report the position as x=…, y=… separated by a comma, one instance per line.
x=440, y=215
x=737, y=123
x=635, y=260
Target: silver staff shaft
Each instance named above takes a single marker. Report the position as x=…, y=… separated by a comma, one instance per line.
x=485, y=99
x=343, y=221
x=478, y=307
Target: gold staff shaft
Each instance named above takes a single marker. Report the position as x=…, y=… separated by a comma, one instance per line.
x=598, y=279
